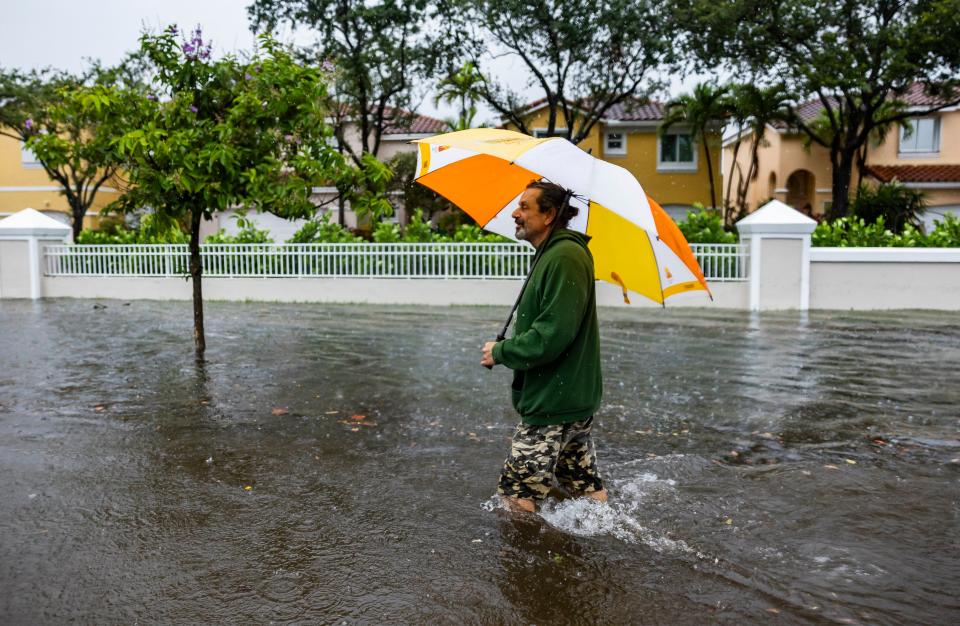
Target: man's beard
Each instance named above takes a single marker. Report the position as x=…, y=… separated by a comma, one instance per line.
x=521, y=232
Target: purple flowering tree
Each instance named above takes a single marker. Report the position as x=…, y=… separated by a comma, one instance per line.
x=215, y=134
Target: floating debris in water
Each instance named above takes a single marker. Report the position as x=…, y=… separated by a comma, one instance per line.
x=278, y=411
x=357, y=420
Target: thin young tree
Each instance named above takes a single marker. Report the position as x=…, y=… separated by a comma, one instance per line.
x=703, y=111
x=462, y=88
x=218, y=134
x=756, y=109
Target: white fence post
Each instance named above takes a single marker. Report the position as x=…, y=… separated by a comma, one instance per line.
x=22, y=239
x=779, y=275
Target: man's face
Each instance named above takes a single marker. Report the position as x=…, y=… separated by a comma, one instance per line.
x=532, y=225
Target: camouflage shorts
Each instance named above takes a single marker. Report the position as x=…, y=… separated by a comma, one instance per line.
x=540, y=454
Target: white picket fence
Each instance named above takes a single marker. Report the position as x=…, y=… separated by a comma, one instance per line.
x=720, y=262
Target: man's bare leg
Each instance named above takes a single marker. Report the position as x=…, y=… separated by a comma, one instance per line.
x=599, y=496
x=519, y=505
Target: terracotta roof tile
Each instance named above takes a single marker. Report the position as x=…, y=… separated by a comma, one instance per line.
x=914, y=96
x=915, y=173
x=418, y=125
x=635, y=110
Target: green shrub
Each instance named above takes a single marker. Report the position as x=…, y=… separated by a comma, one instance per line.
x=897, y=205
x=321, y=230
x=418, y=230
x=946, y=233
x=705, y=226
x=248, y=233
x=848, y=232
x=113, y=233
x=386, y=232
x=852, y=232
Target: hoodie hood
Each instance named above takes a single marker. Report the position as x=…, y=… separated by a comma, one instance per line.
x=565, y=234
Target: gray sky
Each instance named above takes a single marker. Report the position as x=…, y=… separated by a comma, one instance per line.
x=62, y=33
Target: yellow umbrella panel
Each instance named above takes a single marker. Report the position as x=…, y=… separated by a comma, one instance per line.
x=634, y=242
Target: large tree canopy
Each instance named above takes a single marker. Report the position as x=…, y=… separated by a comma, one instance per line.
x=216, y=134
x=853, y=56
x=72, y=143
x=378, y=52
x=582, y=56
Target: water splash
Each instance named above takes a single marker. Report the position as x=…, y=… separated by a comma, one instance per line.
x=620, y=518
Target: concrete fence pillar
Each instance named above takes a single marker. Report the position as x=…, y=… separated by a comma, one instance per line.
x=779, y=272
x=23, y=236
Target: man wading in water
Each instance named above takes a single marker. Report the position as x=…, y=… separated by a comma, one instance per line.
x=555, y=356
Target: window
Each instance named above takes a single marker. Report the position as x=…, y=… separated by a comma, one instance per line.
x=616, y=143
x=28, y=158
x=920, y=135
x=540, y=133
x=676, y=151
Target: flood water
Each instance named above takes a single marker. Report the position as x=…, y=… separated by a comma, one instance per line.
x=335, y=464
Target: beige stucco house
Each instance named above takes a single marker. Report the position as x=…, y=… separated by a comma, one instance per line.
x=926, y=158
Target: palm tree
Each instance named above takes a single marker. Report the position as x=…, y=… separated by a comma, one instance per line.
x=756, y=108
x=463, y=88
x=701, y=110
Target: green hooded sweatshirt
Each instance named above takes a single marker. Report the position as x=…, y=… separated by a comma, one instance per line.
x=555, y=347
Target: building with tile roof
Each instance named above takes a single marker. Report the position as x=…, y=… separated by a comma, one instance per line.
x=670, y=168
x=922, y=154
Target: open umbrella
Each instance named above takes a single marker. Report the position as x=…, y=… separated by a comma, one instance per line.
x=634, y=242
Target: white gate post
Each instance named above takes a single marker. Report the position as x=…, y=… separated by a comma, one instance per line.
x=779, y=237
x=22, y=239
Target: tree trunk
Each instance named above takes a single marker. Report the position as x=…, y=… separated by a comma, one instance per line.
x=341, y=209
x=196, y=271
x=77, y=222
x=733, y=165
x=842, y=173
x=706, y=151
x=861, y=163
x=743, y=185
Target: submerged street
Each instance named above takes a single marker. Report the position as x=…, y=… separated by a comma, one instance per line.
x=336, y=463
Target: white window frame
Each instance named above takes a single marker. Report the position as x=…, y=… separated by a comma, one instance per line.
x=28, y=159
x=622, y=150
x=913, y=152
x=677, y=166
x=541, y=133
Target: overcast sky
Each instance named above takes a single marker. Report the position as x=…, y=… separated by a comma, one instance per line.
x=62, y=33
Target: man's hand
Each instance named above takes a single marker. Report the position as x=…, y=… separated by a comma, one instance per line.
x=487, y=360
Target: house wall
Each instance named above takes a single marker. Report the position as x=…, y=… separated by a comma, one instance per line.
x=785, y=153
x=888, y=153
x=940, y=199
x=23, y=186
x=667, y=188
